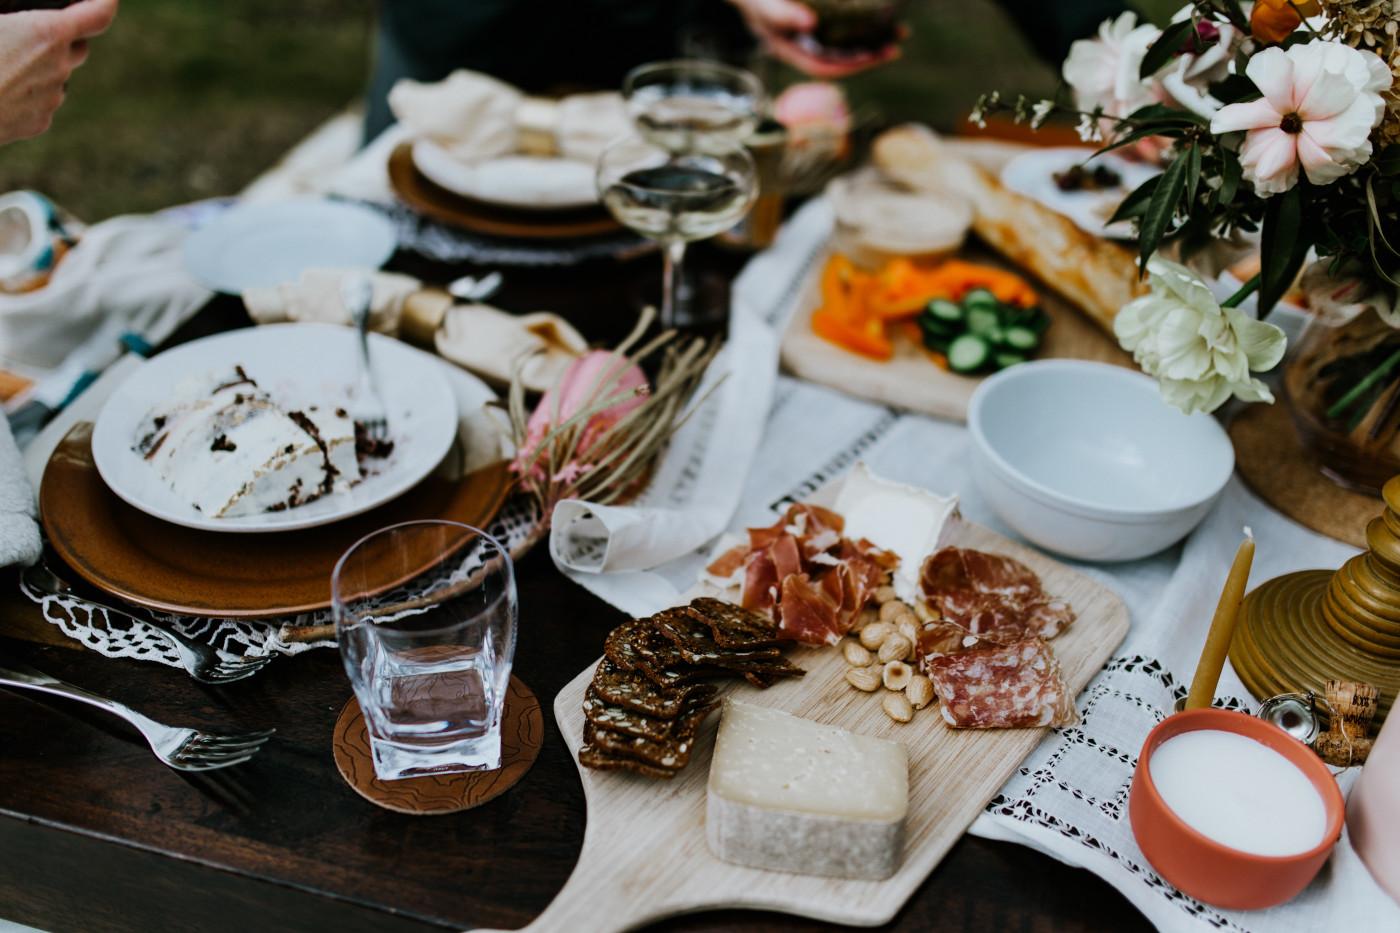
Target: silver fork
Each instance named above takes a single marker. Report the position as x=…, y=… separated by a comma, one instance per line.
x=357, y=291
x=180, y=748
x=202, y=662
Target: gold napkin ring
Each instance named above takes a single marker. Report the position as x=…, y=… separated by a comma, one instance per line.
x=536, y=119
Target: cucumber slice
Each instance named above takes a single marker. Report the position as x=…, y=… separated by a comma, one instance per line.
x=936, y=327
x=968, y=353
x=944, y=310
x=1004, y=358
x=1018, y=337
x=980, y=298
x=982, y=320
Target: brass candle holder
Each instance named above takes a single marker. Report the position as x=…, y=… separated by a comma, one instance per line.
x=1302, y=629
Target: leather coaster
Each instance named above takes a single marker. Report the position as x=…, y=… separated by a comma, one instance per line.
x=522, y=732
x=1271, y=460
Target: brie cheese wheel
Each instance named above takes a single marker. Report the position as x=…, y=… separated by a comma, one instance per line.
x=790, y=794
x=908, y=521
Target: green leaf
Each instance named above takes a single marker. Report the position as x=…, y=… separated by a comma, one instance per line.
x=1160, y=210
x=1230, y=174
x=1167, y=47
x=1234, y=89
x=1141, y=133
x=1193, y=171
x=1165, y=114
x=1388, y=160
x=1282, y=248
x=1135, y=204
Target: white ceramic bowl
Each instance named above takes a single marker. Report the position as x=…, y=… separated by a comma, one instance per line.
x=1087, y=460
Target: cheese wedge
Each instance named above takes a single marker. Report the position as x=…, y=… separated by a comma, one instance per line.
x=789, y=794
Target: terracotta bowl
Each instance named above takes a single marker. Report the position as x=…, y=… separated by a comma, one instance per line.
x=1206, y=869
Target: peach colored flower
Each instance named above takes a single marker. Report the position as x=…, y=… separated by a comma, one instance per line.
x=587, y=380
x=1321, y=100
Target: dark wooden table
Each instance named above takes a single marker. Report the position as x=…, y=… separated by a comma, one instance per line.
x=95, y=835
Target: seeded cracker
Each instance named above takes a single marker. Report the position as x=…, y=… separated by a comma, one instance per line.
x=673, y=754
x=621, y=719
x=697, y=643
x=734, y=627
x=590, y=756
x=636, y=691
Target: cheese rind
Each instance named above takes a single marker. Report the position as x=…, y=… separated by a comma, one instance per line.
x=789, y=794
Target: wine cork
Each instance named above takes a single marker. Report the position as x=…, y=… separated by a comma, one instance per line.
x=1347, y=740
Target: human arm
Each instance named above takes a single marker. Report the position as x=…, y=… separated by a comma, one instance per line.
x=38, y=51
x=779, y=23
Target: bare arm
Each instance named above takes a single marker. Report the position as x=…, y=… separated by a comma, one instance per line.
x=38, y=51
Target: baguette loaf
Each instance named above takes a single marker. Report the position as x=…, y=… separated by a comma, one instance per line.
x=1097, y=275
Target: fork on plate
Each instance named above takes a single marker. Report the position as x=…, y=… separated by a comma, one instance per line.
x=357, y=292
x=181, y=748
x=202, y=662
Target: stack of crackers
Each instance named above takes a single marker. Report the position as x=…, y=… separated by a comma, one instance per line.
x=649, y=693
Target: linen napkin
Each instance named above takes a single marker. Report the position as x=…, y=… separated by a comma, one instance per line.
x=19, y=512
x=125, y=273
x=476, y=117
x=315, y=297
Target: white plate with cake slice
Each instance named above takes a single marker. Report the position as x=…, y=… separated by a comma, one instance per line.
x=250, y=430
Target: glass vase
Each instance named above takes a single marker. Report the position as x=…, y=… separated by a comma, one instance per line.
x=1342, y=387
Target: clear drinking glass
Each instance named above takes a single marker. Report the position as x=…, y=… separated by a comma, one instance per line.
x=425, y=616
x=675, y=197
x=673, y=102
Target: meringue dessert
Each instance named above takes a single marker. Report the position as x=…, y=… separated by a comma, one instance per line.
x=229, y=449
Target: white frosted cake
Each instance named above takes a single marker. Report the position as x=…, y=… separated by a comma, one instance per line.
x=229, y=449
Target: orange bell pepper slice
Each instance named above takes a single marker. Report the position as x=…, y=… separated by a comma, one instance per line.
x=860, y=334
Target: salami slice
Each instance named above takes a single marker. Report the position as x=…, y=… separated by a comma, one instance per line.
x=1002, y=686
x=992, y=596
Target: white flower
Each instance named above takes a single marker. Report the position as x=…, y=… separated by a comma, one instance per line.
x=1200, y=353
x=1320, y=101
x=1104, y=71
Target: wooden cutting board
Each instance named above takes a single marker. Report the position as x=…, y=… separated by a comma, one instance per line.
x=644, y=851
x=911, y=380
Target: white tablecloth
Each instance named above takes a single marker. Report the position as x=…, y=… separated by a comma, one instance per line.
x=1069, y=799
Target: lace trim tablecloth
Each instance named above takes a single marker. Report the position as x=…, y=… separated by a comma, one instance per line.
x=232, y=638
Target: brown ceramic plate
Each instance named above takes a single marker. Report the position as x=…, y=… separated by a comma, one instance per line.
x=449, y=207
x=144, y=560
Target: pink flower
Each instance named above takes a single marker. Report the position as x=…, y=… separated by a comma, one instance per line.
x=1320, y=101
x=810, y=103
x=587, y=380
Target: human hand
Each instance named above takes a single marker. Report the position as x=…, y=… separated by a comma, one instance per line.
x=38, y=51
x=780, y=24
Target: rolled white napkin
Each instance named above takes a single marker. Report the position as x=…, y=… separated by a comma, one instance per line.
x=492, y=344
x=476, y=117
x=315, y=297
x=19, y=512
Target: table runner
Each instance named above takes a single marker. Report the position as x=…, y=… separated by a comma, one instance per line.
x=1069, y=799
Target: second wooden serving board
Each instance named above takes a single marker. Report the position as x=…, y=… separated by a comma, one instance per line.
x=911, y=379
x=644, y=851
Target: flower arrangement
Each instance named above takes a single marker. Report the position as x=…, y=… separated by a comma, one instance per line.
x=1279, y=121
x=596, y=432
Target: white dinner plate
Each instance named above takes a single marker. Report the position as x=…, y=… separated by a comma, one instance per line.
x=516, y=181
x=1033, y=174
x=299, y=364
x=266, y=244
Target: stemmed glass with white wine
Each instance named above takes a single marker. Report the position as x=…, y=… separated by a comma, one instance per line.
x=676, y=196
x=676, y=103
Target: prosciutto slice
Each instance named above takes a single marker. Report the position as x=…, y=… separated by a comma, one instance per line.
x=805, y=574
x=992, y=597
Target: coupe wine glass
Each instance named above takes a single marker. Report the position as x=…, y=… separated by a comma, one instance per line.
x=673, y=103
x=675, y=197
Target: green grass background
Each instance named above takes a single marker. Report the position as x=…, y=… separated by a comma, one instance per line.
x=189, y=99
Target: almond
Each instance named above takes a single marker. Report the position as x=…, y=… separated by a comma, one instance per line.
x=896, y=648
x=896, y=675
x=874, y=635
x=884, y=594
x=898, y=707
x=919, y=691
x=891, y=610
x=856, y=656
x=863, y=678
